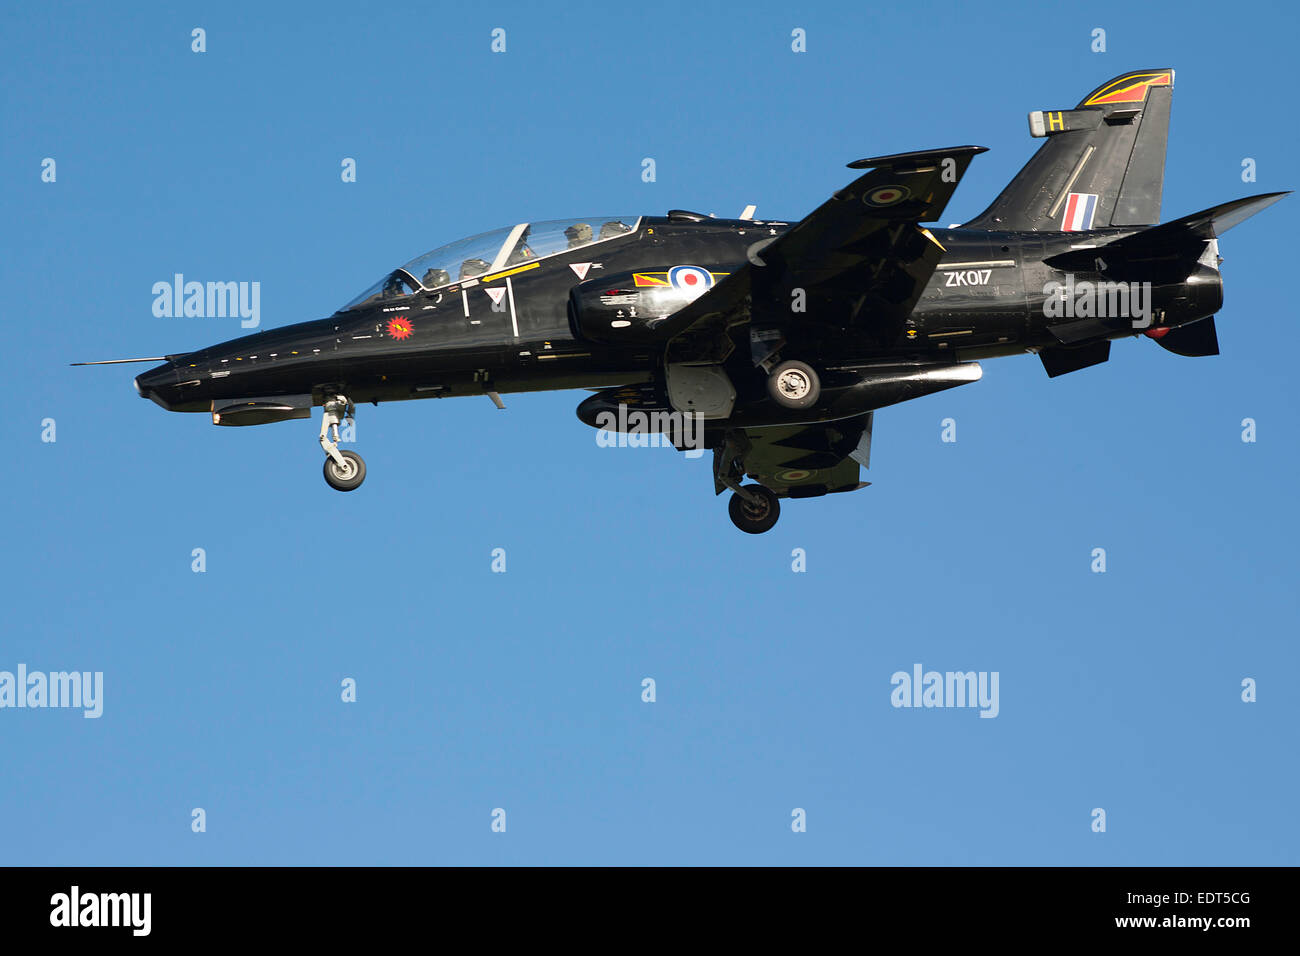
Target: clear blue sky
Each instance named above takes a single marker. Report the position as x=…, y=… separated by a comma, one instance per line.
x=523, y=690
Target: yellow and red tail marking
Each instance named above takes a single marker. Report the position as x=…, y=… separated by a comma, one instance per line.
x=1130, y=89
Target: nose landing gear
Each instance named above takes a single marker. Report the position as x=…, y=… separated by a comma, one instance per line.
x=344, y=470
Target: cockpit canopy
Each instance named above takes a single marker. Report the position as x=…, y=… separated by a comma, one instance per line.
x=492, y=252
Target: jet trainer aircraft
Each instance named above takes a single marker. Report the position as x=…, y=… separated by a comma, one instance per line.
x=779, y=340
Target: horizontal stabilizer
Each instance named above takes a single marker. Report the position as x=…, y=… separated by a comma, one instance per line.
x=1205, y=225
x=1184, y=237
x=1059, y=360
x=1194, y=339
x=1215, y=221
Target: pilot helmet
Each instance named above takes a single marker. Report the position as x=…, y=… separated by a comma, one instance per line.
x=578, y=234
x=434, y=278
x=473, y=267
x=614, y=228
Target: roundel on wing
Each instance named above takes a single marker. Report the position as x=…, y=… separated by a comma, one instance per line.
x=690, y=278
x=886, y=195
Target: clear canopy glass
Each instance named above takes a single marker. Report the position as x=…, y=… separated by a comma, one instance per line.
x=491, y=252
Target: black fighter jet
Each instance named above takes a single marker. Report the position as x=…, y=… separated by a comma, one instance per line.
x=769, y=343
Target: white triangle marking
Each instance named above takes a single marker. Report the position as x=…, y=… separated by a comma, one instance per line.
x=580, y=268
x=496, y=294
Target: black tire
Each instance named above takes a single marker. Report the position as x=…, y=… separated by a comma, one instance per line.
x=341, y=480
x=794, y=384
x=754, y=518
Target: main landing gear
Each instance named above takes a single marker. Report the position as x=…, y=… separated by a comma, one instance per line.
x=754, y=509
x=344, y=470
x=794, y=384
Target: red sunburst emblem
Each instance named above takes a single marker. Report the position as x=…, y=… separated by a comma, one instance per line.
x=399, y=328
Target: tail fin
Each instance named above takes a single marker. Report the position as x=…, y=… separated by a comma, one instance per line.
x=1103, y=163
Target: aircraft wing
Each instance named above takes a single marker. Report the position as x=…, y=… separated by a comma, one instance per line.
x=799, y=461
x=860, y=257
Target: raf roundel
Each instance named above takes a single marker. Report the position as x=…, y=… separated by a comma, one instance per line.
x=886, y=195
x=690, y=278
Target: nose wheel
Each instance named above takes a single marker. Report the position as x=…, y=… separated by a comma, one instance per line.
x=347, y=476
x=344, y=470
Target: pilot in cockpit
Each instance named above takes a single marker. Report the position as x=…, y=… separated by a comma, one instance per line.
x=614, y=228
x=579, y=234
x=434, y=278
x=474, y=267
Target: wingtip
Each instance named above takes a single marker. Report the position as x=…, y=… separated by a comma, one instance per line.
x=923, y=154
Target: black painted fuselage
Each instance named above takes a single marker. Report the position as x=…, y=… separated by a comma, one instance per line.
x=985, y=299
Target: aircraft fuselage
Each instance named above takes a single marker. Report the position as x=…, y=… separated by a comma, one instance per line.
x=514, y=331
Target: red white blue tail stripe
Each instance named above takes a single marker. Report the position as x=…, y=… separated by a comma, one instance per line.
x=1079, y=210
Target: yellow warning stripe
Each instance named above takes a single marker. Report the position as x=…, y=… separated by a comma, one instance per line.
x=510, y=272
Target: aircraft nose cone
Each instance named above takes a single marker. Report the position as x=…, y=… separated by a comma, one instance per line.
x=156, y=383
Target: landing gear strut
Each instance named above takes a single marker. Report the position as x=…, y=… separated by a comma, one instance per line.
x=754, y=509
x=344, y=470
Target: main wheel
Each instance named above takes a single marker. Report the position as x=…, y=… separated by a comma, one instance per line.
x=754, y=517
x=794, y=384
x=345, y=479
